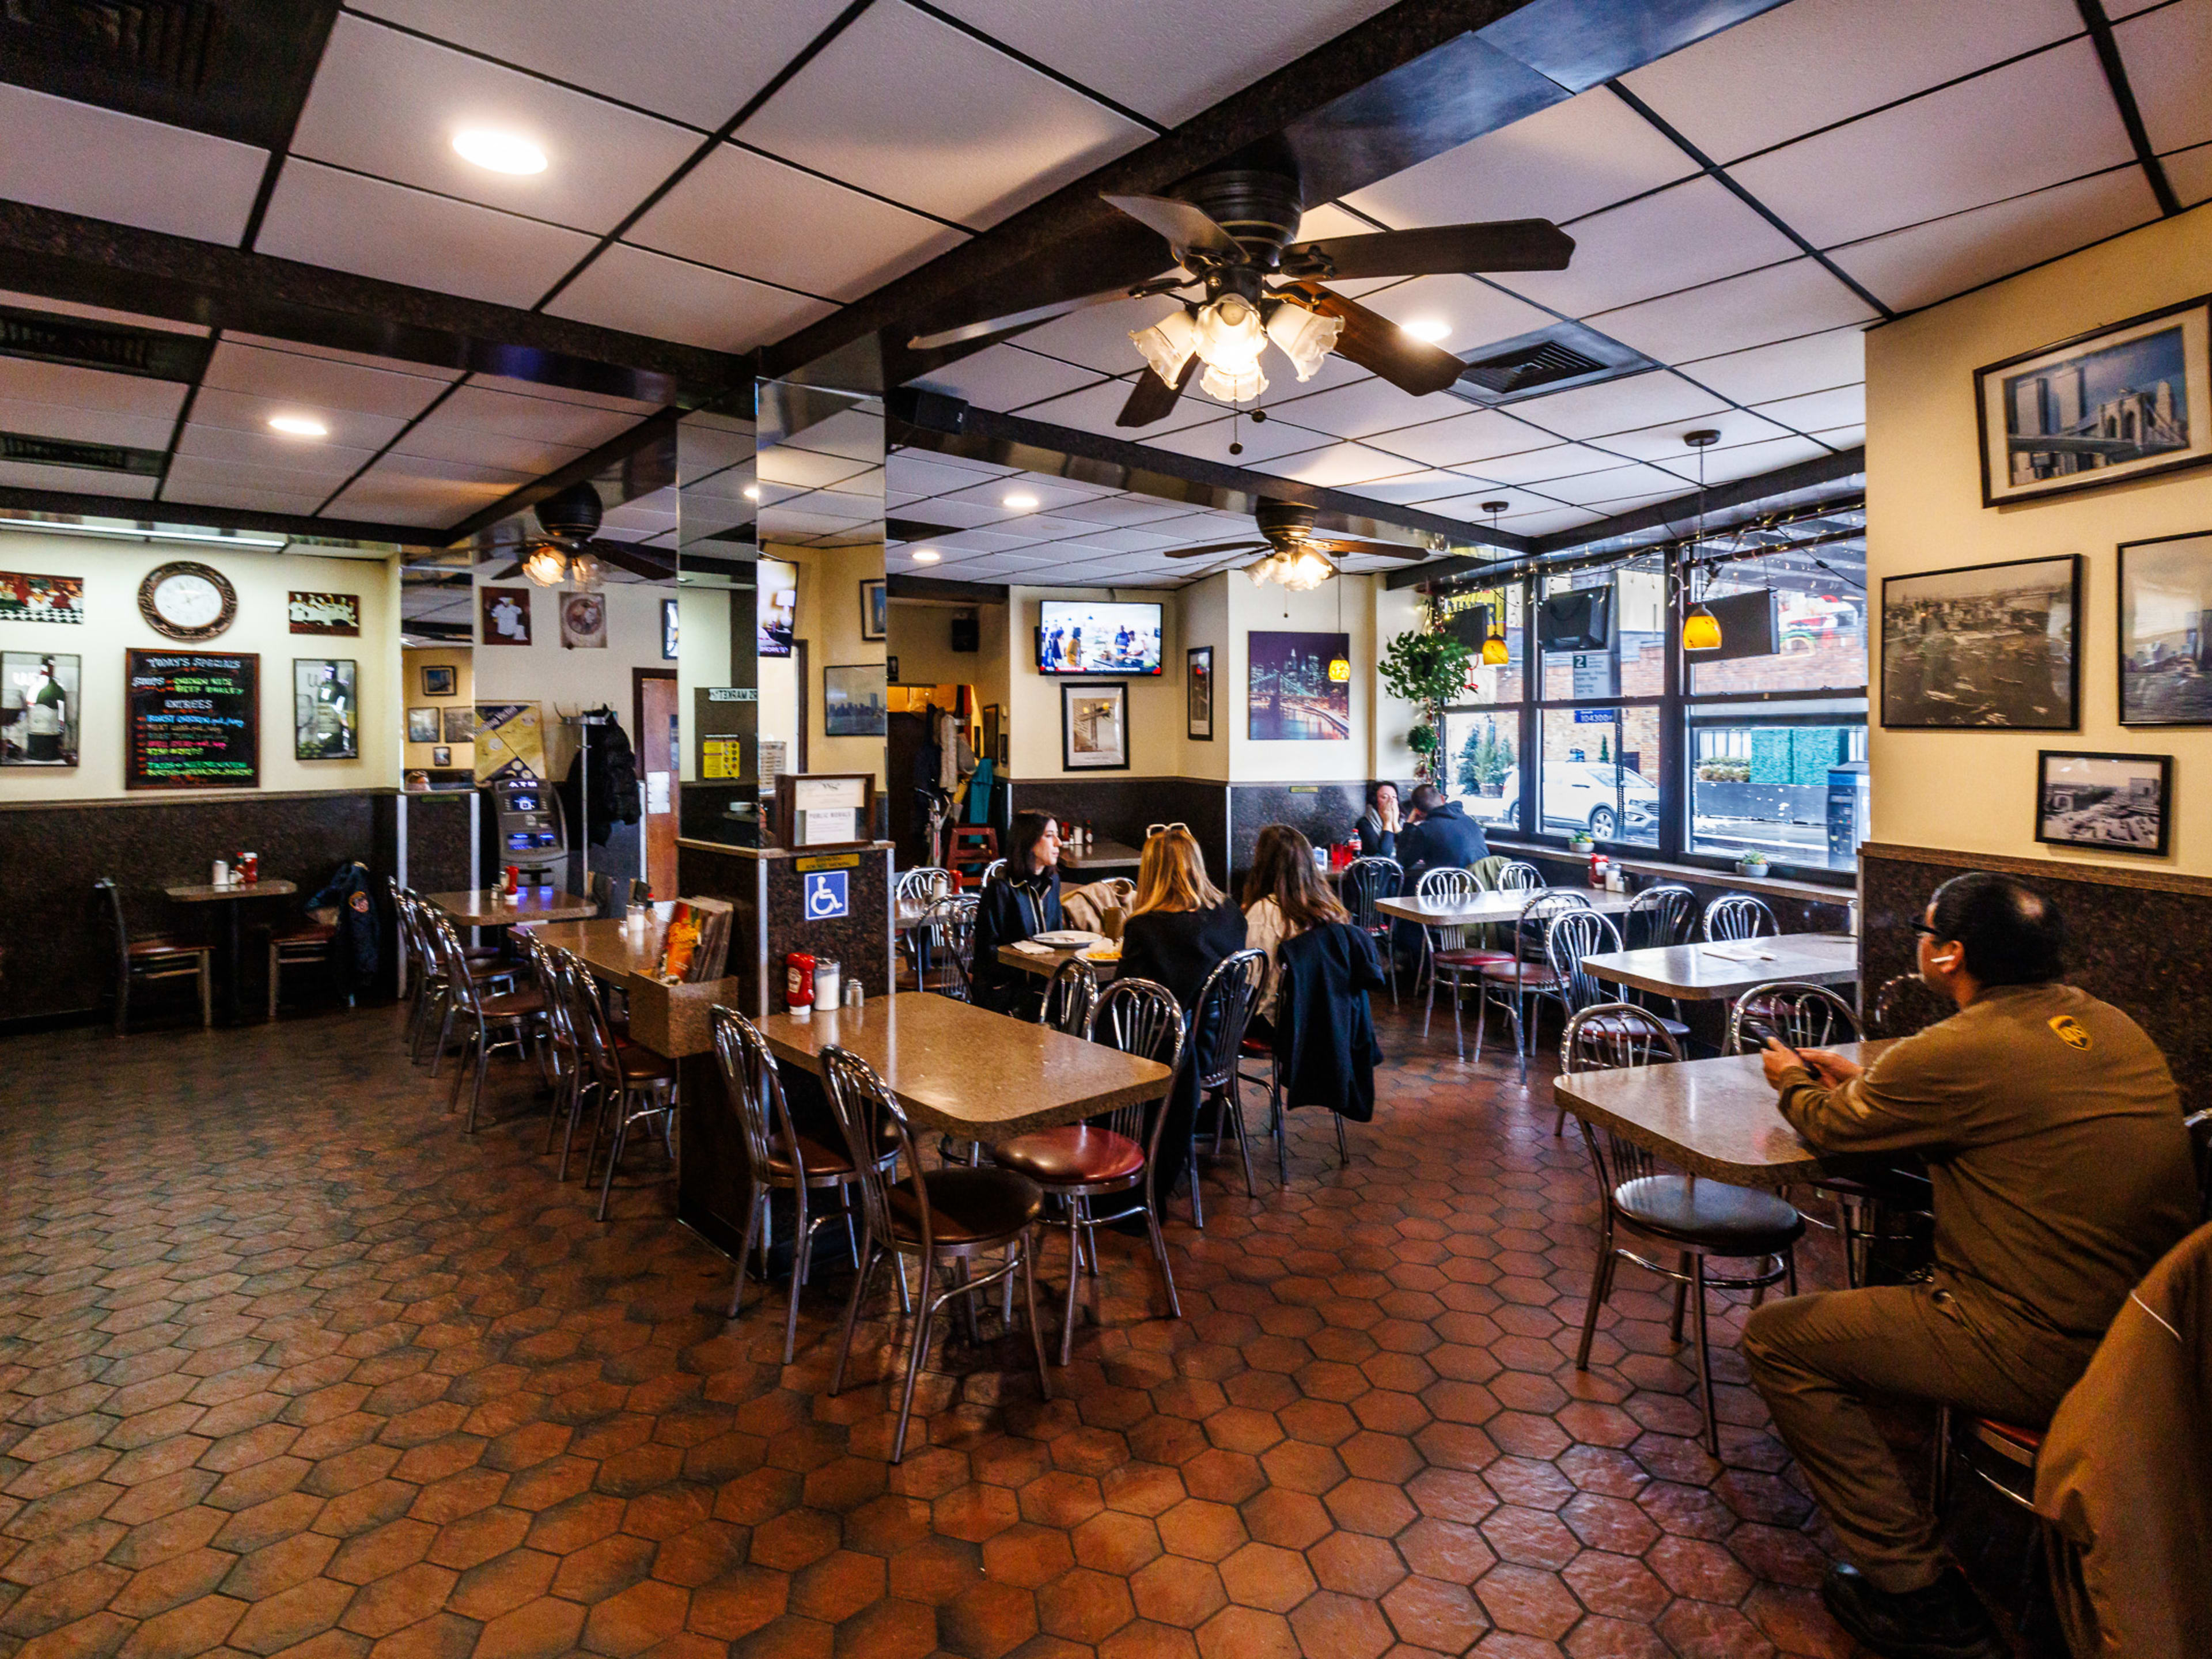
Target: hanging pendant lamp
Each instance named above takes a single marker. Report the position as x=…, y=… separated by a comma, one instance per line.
x=1494, y=651
x=1701, y=629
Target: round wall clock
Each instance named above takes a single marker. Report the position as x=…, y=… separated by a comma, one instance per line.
x=187, y=600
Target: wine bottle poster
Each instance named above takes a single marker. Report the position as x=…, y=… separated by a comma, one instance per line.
x=194, y=720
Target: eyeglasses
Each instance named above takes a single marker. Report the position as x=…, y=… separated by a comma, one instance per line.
x=1922, y=927
x=1164, y=828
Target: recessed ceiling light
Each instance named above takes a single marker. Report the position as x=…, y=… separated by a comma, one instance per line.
x=1432, y=329
x=753, y=492
x=498, y=152
x=1019, y=502
x=927, y=556
x=298, y=426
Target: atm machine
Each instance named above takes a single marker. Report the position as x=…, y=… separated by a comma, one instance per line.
x=529, y=831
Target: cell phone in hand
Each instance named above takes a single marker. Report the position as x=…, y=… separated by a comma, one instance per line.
x=1761, y=1033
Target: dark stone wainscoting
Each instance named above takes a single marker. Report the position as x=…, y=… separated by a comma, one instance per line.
x=57, y=965
x=1322, y=813
x=2140, y=939
x=1119, y=808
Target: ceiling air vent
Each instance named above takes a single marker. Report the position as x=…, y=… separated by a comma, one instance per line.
x=156, y=43
x=110, y=346
x=89, y=458
x=1554, y=359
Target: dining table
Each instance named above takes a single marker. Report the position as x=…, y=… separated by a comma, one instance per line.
x=611, y=950
x=232, y=895
x=1044, y=960
x=1717, y=1118
x=1492, y=905
x=1723, y=970
x=487, y=906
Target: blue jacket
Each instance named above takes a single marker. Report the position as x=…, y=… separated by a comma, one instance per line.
x=1445, y=836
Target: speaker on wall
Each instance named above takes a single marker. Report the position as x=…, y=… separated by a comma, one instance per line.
x=966, y=634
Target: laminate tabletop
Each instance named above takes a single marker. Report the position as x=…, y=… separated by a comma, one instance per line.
x=1491, y=906
x=1705, y=1117
x=203, y=893
x=964, y=1071
x=488, y=908
x=612, y=950
x=1045, y=961
x=1101, y=855
x=1701, y=973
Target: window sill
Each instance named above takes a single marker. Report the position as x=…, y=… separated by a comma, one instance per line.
x=1811, y=891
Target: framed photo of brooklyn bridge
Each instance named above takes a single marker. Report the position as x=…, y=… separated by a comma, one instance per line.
x=1987, y=645
x=2166, y=631
x=2121, y=402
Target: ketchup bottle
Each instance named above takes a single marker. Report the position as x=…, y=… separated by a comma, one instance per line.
x=798, y=981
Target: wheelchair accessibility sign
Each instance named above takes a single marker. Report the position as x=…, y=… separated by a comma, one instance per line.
x=825, y=896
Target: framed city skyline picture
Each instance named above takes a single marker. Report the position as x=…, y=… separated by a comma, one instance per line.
x=1298, y=687
x=1990, y=646
x=855, y=700
x=2166, y=631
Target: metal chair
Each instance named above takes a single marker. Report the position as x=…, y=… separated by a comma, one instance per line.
x=958, y=1213
x=1123, y=889
x=1737, y=916
x=419, y=922
x=781, y=1160
x=560, y=1051
x=1113, y=1155
x=489, y=1020
x=923, y=884
x=634, y=1084
x=1069, y=996
x=152, y=957
x=1223, y=1009
x=1513, y=984
x=1575, y=935
x=1695, y=1217
x=1520, y=876
x=1365, y=881
x=1907, y=1005
x=1802, y=1016
x=1659, y=916
x=945, y=943
x=1448, y=958
x=992, y=870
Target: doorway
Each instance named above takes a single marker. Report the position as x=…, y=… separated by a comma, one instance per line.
x=660, y=749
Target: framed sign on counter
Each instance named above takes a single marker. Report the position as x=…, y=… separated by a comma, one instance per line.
x=824, y=809
x=193, y=719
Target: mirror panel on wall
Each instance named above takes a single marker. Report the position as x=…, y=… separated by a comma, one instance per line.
x=719, y=656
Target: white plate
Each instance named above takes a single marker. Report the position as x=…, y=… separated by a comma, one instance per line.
x=1068, y=938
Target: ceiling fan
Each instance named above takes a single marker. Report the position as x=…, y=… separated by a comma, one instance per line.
x=1295, y=558
x=567, y=551
x=1230, y=231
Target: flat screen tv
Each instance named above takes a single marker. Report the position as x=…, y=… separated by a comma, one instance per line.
x=776, y=599
x=1097, y=636
x=1578, y=621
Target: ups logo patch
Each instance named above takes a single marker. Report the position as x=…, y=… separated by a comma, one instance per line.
x=2071, y=1031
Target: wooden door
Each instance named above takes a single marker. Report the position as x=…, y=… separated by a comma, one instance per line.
x=660, y=748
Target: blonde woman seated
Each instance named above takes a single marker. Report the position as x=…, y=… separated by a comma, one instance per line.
x=1284, y=895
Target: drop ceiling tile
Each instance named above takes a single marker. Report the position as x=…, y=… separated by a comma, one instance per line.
x=1476, y=313
x=1337, y=466
x=1842, y=437
x=78, y=481
x=912, y=109
x=694, y=433
x=1748, y=460
x=97, y=314
x=1535, y=467
x=324, y=217
x=1612, y=484
x=244, y=418
x=1686, y=234
x=288, y=462
x=1569, y=159
x=86, y=426
x=1908, y=269
x=1551, y=519
x=696, y=63
x=2168, y=55
x=1464, y=442
x=1758, y=308
x=439, y=440
x=650, y=293
x=2189, y=172
x=925, y=474
x=210, y=482
x=760, y=217
x=1047, y=495
x=478, y=407
x=1665, y=442
x=1097, y=408
x=1617, y=405
x=1141, y=53
x=1812, y=64
x=76, y=158
x=1411, y=489
x=282, y=376
x=390, y=103
x=1097, y=336
x=1963, y=147
x=1123, y=510
x=1811, y=364
x=410, y=489
x=1211, y=441
x=1003, y=377
x=1364, y=408
x=1816, y=411
x=23, y=380
x=1472, y=509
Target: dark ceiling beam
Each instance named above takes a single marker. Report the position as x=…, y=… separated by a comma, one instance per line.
x=951, y=427
x=66, y=256
x=2093, y=18
x=138, y=510
x=638, y=451
x=899, y=586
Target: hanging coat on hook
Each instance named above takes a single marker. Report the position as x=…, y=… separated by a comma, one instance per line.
x=603, y=777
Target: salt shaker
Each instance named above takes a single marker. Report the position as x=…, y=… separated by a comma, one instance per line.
x=855, y=995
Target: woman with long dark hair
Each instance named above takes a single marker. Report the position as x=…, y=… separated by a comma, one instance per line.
x=1379, y=825
x=1284, y=895
x=1022, y=902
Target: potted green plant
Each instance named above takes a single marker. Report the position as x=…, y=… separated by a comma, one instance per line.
x=1751, y=863
x=1427, y=669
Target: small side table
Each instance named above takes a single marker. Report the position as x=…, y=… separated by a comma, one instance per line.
x=230, y=894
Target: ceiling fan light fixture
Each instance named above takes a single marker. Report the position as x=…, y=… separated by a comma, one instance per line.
x=586, y=572
x=546, y=566
x=1304, y=336
x=1167, y=344
x=1233, y=387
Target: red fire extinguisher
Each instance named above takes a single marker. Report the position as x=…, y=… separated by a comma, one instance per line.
x=798, y=981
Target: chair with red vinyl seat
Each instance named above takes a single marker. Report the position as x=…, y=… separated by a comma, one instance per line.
x=1453, y=960
x=1514, y=984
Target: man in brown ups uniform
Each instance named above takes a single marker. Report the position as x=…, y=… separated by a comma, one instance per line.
x=2053, y=1137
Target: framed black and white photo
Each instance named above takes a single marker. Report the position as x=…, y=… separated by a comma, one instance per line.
x=1198, y=692
x=874, y=619
x=855, y=700
x=1094, y=727
x=461, y=724
x=2113, y=803
x=423, y=726
x=2166, y=631
x=325, y=712
x=2120, y=402
x=441, y=755
x=1987, y=645
x=438, y=681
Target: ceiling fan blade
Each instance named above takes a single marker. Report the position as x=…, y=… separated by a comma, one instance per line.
x=1153, y=398
x=1500, y=245
x=1368, y=550
x=654, y=564
x=989, y=326
x=1189, y=229
x=1380, y=346
x=505, y=575
x=1212, y=548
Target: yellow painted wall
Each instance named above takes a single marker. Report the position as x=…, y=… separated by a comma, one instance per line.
x=459, y=659
x=1975, y=791
x=1156, y=704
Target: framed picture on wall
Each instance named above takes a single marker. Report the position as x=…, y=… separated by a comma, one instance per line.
x=2120, y=402
x=1198, y=692
x=1988, y=645
x=325, y=712
x=1299, y=687
x=437, y=681
x=855, y=699
x=994, y=722
x=2166, y=631
x=506, y=616
x=584, y=622
x=423, y=726
x=874, y=609
x=39, y=712
x=460, y=723
x=1094, y=727
x=2114, y=803
x=671, y=620
x=441, y=755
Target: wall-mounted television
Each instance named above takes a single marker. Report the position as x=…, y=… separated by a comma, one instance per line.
x=775, y=600
x=1088, y=637
x=1581, y=620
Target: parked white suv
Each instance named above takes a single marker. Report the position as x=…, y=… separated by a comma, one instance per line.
x=1594, y=795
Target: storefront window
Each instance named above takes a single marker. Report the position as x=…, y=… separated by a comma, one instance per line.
x=1600, y=771
x=1791, y=785
x=1482, y=747
x=1492, y=613
x=1817, y=626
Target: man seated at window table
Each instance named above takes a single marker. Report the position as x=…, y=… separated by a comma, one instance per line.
x=2053, y=1138
x=1438, y=833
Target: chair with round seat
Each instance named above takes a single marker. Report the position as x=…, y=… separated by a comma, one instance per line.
x=1518, y=876
x=958, y=1215
x=1225, y=1007
x=1802, y=1016
x=782, y=1160
x=1659, y=917
x=1695, y=1218
x=1450, y=958
x=560, y=1051
x=1364, y=883
x=489, y=1020
x=419, y=924
x=1514, y=984
x=1111, y=1155
x=944, y=947
x=1069, y=996
x=1739, y=916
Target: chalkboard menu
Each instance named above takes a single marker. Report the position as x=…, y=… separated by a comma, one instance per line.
x=194, y=720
